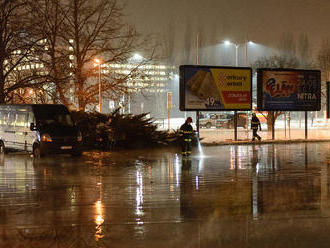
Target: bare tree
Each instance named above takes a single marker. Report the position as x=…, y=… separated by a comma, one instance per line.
x=48, y=21
x=188, y=41
x=304, y=53
x=324, y=64
x=324, y=59
x=19, y=64
x=77, y=32
x=95, y=29
x=287, y=46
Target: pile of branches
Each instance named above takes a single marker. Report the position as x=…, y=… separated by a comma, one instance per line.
x=115, y=130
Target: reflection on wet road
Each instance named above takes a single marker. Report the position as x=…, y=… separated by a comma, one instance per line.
x=233, y=196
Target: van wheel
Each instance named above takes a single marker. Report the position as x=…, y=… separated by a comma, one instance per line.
x=2, y=147
x=37, y=152
x=208, y=125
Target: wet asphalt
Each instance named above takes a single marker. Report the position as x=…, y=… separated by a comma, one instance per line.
x=261, y=195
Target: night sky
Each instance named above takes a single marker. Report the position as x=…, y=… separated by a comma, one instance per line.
x=263, y=21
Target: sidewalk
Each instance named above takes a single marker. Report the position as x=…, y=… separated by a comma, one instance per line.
x=226, y=136
x=262, y=142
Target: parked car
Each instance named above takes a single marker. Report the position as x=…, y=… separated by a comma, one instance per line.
x=228, y=121
x=208, y=121
x=39, y=128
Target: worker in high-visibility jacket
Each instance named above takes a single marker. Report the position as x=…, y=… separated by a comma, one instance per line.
x=186, y=132
x=255, y=124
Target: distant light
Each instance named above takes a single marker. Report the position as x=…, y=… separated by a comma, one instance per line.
x=251, y=43
x=97, y=61
x=137, y=57
x=227, y=42
x=176, y=76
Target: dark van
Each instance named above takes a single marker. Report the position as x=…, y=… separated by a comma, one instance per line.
x=39, y=128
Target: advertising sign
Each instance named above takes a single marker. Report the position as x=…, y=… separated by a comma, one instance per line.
x=215, y=88
x=289, y=90
x=328, y=100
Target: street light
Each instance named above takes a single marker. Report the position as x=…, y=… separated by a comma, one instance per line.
x=227, y=43
x=98, y=63
x=247, y=43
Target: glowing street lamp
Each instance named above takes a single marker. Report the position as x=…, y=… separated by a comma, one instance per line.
x=98, y=62
x=247, y=43
x=137, y=57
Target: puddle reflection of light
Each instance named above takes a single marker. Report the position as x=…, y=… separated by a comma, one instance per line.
x=200, y=164
x=177, y=169
x=257, y=168
x=99, y=219
x=139, y=194
x=197, y=183
x=237, y=154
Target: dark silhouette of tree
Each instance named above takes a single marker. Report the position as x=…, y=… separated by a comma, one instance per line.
x=75, y=34
x=48, y=21
x=188, y=41
x=287, y=46
x=304, y=53
x=324, y=64
x=95, y=29
x=20, y=67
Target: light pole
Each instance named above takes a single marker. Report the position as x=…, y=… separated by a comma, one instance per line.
x=99, y=62
x=227, y=43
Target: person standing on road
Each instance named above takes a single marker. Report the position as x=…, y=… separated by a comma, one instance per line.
x=186, y=132
x=255, y=123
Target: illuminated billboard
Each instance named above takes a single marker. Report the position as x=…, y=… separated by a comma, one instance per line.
x=288, y=90
x=215, y=88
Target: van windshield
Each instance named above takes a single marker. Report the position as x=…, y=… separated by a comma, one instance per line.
x=55, y=119
x=52, y=115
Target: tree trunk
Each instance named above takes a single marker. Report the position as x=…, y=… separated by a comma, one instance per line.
x=270, y=121
x=2, y=87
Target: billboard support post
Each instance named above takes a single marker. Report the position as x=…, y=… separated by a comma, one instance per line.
x=306, y=122
x=328, y=100
x=285, y=125
x=197, y=123
x=169, y=107
x=289, y=126
x=235, y=125
x=168, y=118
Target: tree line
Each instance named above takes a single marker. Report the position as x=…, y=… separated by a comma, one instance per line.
x=48, y=48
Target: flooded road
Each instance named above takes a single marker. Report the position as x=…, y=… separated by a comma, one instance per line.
x=232, y=196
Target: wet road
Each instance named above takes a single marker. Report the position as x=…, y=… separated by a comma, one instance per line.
x=233, y=196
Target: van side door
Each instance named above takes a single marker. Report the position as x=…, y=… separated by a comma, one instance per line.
x=31, y=136
x=21, y=129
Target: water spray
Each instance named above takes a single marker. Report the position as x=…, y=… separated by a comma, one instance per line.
x=199, y=145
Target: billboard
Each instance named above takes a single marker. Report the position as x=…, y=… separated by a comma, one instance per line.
x=215, y=88
x=288, y=90
x=328, y=100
